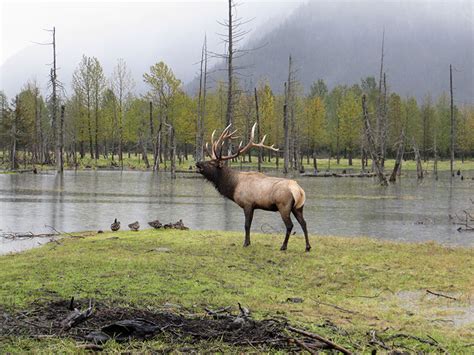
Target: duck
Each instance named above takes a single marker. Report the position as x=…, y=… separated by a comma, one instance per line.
x=115, y=226
x=155, y=224
x=135, y=226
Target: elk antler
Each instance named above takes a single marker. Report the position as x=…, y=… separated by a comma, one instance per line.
x=225, y=135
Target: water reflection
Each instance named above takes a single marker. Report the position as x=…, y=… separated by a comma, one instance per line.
x=90, y=200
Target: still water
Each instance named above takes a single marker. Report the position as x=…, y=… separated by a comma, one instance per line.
x=90, y=200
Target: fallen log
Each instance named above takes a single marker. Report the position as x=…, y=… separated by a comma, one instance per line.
x=329, y=174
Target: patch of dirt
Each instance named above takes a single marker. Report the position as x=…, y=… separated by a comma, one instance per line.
x=122, y=324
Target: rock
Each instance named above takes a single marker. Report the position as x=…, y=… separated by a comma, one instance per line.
x=294, y=300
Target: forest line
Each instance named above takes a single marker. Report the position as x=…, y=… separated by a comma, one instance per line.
x=104, y=116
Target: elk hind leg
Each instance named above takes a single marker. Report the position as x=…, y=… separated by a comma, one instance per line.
x=298, y=213
x=286, y=217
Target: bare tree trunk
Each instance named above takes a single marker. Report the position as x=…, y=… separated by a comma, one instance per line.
x=37, y=142
x=89, y=126
x=144, y=152
x=315, y=162
x=157, y=153
x=120, y=147
x=172, y=151
x=399, y=157
x=378, y=123
x=13, y=161
x=96, y=111
x=60, y=145
x=201, y=104
x=419, y=166
x=41, y=138
x=383, y=128
x=152, y=135
x=452, y=120
x=435, y=165
x=259, y=163
x=338, y=157
x=371, y=144
x=287, y=126
x=54, y=101
x=230, y=75
x=286, y=149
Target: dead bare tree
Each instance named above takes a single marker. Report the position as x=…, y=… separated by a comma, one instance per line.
x=399, y=157
x=259, y=162
x=286, y=146
x=201, y=114
x=419, y=166
x=56, y=126
x=371, y=145
x=54, y=101
x=60, y=147
x=288, y=120
x=452, y=120
x=378, y=118
x=14, y=135
x=157, y=153
x=172, y=142
x=235, y=34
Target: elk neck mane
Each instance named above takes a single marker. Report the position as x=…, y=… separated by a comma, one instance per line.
x=225, y=181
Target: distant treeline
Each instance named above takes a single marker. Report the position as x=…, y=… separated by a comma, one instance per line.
x=105, y=117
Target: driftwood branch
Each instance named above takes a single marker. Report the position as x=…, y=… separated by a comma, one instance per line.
x=320, y=338
x=440, y=295
x=76, y=317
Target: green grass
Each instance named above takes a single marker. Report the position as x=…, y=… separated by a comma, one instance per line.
x=368, y=280
x=136, y=163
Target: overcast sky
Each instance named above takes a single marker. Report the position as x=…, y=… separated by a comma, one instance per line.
x=140, y=32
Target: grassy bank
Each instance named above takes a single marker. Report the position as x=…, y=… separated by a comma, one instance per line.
x=134, y=162
x=350, y=287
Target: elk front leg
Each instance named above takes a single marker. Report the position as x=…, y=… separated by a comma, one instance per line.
x=248, y=223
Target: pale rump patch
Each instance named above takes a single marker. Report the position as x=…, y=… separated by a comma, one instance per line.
x=298, y=193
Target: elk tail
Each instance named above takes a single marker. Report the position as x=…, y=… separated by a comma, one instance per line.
x=298, y=194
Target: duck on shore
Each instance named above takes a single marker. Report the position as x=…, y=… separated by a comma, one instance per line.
x=135, y=226
x=115, y=226
x=155, y=224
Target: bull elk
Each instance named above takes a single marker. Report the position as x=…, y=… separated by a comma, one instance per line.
x=252, y=190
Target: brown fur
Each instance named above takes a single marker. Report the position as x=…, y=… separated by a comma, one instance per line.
x=252, y=190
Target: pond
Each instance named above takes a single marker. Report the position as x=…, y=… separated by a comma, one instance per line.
x=90, y=200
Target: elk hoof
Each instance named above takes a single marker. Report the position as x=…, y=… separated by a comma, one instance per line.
x=308, y=248
x=283, y=248
x=246, y=244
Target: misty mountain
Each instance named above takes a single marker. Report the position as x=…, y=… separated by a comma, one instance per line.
x=142, y=33
x=340, y=42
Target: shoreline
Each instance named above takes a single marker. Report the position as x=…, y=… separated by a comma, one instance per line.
x=357, y=284
x=80, y=234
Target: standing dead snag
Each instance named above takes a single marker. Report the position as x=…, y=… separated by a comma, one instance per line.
x=252, y=190
x=371, y=146
x=399, y=157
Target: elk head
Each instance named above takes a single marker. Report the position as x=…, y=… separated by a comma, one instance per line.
x=210, y=169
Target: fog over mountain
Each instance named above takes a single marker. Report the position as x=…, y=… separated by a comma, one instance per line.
x=340, y=41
